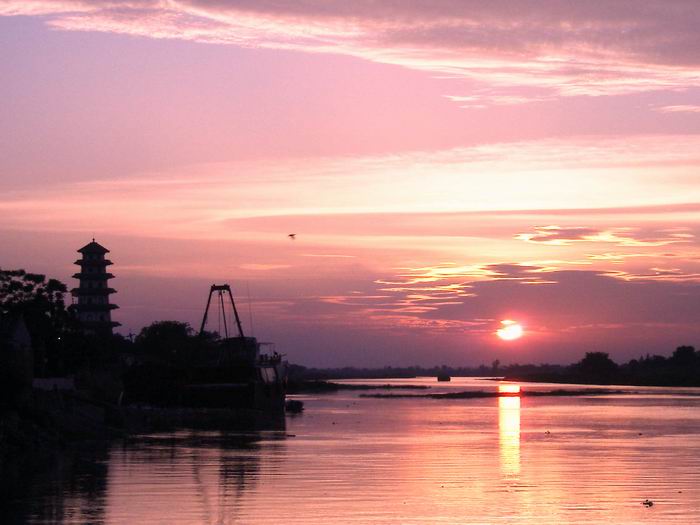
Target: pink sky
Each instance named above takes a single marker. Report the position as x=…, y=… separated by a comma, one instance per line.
x=445, y=165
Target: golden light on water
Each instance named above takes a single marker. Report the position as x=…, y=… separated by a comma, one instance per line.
x=510, y=330
x=509, y=432
x=508, y=388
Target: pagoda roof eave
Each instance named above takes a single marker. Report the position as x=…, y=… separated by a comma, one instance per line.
x=83, y=262
x=94, y=307
x=92, y=291
x=93, y=247
x=93, y=276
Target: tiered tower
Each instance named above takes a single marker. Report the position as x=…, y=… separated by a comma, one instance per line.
x=93, y=307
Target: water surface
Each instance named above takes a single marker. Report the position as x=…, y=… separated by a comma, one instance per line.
x=348, y=459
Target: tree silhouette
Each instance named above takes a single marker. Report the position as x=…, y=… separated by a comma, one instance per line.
x=684, y=356
x=41, y=304
x=164, y=338
x=172, y=341
x=597, y=366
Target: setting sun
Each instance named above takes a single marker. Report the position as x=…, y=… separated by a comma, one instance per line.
x=510, y=330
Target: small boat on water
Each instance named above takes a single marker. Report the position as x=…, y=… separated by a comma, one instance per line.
x=294, y=406
x=443, y=377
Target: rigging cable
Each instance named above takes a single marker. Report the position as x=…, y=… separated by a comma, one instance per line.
x=250, y=309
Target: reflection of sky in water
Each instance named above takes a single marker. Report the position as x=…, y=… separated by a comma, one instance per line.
x=509, y=434
x=412, y=461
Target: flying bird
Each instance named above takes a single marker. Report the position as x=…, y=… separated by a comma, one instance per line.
x=292, y=236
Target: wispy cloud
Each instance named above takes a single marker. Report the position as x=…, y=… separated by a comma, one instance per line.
x=555, y=178
x=555, y=46
x=486, y=100
x=329, y=255
x=470, y=300
x=657, y=274
x=681, y=108
x=561, y=236
x=264, y=267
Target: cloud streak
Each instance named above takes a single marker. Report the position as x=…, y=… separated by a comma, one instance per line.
x=680, y=108
x=551, y=48
x=640, y=176
x=561, y=236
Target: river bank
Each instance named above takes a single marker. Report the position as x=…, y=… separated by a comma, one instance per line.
x=322, y=386
x=480, y=394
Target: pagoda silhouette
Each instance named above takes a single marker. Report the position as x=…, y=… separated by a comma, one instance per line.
x=93, y=308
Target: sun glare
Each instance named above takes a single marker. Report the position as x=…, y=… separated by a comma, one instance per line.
x=510, y=330
x=508, y=388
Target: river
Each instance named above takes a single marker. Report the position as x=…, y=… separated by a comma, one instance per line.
x=349, y=459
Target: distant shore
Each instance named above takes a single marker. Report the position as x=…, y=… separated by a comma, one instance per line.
x=680, y=369
x=318, y=386
x=572, y=379
x=484, y=394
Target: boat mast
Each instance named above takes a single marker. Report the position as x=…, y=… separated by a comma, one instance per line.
x=222, y=289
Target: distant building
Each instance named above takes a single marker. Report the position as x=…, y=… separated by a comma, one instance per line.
x=93, y=308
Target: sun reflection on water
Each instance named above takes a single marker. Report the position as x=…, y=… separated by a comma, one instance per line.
x=509, y=388
x=509, y=430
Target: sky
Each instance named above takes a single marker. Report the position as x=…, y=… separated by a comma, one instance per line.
x=445, y=165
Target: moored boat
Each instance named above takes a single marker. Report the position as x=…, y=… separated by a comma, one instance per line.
x=226, y=382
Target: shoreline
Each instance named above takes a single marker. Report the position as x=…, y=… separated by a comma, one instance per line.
x=480, y=394
x=323, y=386
x=573, y=380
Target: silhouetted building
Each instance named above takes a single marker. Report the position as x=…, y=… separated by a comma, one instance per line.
x=93, y=308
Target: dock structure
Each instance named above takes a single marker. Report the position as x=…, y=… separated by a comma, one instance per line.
x=93, y=308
